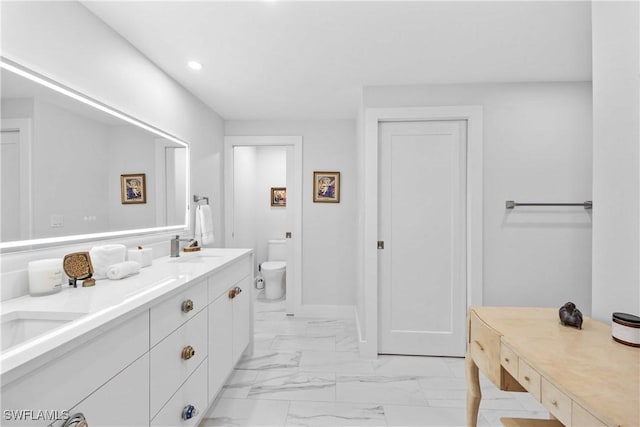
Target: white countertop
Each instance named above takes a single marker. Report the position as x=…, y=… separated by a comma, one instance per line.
x=106, y=303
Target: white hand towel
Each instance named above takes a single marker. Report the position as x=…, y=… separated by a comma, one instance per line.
x=104, y=256
x=123, y=269
x=204, y=225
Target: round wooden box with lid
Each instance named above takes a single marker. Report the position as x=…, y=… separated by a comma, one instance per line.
x=625, y=329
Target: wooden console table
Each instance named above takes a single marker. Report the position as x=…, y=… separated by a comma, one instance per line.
x=582, y=377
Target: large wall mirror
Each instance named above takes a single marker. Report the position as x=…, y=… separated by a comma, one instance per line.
x=74, y=169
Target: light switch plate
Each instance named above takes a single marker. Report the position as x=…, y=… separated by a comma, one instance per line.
x=57, y=221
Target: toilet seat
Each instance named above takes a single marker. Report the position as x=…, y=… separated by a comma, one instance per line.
x=273, y=265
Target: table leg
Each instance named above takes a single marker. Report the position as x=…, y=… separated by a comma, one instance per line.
x=473, y=391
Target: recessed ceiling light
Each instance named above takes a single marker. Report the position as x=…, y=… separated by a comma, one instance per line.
x=194, y=65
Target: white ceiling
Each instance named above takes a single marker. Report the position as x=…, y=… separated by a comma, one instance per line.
x=304, y=59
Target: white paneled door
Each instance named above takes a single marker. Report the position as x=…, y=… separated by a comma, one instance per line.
x=422, y=221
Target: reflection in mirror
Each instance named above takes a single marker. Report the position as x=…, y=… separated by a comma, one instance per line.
x=62, y=159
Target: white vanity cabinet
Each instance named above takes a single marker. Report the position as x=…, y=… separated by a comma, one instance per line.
x=161, y=364
x=230, y=319
x=68, y=380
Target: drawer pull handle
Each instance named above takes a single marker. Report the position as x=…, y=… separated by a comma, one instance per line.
x=506, y=359
x=189, y=412
x=233, y=292
x=527, y=379
x=76, y=420
x=479, y=345
x=188, y=352
x=554, y=402
x=187, y=306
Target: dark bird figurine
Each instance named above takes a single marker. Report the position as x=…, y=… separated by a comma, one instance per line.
x=570, y=315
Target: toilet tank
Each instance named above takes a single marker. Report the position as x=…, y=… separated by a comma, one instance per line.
x=277, y=250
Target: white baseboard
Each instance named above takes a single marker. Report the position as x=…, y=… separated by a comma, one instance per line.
x=366, y=349
x=326, y=311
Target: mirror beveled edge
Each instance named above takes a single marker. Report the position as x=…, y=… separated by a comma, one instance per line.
x=20, y=245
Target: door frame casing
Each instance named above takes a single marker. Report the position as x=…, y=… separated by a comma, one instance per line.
x=293, y=290
x=473, y=115
x=24, y=127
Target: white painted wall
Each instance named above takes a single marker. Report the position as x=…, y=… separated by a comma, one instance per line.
x=537, y=147
x=616, y=168
x=328, y=229
x=67, y=43
x=256, y=170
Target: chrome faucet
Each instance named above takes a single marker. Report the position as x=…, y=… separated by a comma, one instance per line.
x=175, y=245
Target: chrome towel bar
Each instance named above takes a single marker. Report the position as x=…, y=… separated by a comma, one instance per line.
x=197, y=198
x=510, y=204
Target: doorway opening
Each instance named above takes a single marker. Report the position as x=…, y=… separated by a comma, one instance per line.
x=263, y=210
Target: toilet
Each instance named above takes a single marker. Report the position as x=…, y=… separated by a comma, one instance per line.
x=274, y=269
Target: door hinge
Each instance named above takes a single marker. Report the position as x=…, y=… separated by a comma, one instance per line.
x=380, y=244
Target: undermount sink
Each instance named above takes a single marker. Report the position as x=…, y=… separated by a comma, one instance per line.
x=196, y=258
x=20, y=326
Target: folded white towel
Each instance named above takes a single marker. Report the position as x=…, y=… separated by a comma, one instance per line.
x=204, y=225
x=123, y=269
x=104, y=256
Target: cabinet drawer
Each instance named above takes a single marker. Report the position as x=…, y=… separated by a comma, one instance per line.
x=580, y=417
x=509, y=360
x=222, y=280
x=120, y=401
x=64, y=381
x=168, y=367
x=170, y=314
x=484, y=347
x=558, y=403
x=529, y=378
x=192, y=392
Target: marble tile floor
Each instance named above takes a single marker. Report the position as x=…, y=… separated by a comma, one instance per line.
x=307, y=372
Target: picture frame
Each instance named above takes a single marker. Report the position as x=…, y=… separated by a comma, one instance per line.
x=326, y=187
x=133, y=188
x=279, y=196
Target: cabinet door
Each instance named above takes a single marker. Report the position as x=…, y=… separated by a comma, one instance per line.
x=220, y=343
x=123, y=401
x=242, y=318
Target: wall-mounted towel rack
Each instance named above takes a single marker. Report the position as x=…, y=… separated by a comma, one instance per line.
x=197, y=198
x=510, y=204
